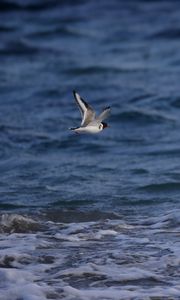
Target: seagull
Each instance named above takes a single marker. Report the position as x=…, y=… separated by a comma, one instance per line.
x=90, y=123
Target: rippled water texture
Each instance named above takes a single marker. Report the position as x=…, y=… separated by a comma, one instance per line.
x=89, y=217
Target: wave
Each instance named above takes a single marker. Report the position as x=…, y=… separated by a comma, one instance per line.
x=17, y=223
x=9, y=5
x=162, y=187
x=168, y=220
x=92, y=70
x=19, y=48
x=69, y=216
x=45, y=145
x=142, y=97
x=168, y=34
x=142, y=116
x=10, y=206
x=63, y=32
x=167, y=152
x=140, y=171
x=6, y=28
x=33, y=5
x=27, y=5
x=94, y=258
x=176, y=102
x=89, y=70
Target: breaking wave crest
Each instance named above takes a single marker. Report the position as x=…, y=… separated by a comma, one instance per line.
x=90, y=259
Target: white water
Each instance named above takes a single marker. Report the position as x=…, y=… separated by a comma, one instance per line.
x=109, y=259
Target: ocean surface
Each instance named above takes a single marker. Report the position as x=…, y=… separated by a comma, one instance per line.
x=89, y=217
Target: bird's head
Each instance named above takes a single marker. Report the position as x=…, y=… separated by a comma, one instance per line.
x=104, y=125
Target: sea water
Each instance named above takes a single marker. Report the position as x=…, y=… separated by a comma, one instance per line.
x=89, y=216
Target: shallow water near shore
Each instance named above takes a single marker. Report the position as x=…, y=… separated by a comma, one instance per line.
x=89, y=216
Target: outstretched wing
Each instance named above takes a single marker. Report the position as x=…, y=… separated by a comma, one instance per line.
x=105, y=114
x=87, y=113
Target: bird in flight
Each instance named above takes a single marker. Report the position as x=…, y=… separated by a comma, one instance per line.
x=90, y=123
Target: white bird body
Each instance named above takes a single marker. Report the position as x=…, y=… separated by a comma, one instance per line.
x=90, y=123
x=88, y=129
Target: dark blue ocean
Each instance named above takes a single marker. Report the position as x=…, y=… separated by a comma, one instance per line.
x=89, y=217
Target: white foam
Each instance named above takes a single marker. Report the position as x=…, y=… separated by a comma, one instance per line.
x=8, y=220
x=110, y=272
x=114, y=293
x=107, y=259
x=20, y=284
x=74, y=228
x=71, y=238
x=101, y=233
x=108, y=293
x=169, y=220
x=80, y=271
x=16, y=223
x=76, y=234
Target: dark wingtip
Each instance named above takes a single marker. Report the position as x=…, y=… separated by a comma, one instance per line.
x=74, y=92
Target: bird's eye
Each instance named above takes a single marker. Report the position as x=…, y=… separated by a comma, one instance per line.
x=100, y=126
